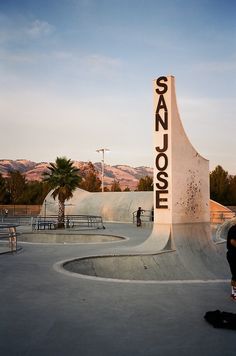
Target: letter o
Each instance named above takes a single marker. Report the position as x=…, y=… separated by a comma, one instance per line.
x=161, y=166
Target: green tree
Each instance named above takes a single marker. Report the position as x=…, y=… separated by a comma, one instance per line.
x=231, y=199
x=127, y=189
x=34, y=192
x=90, y=180
x=145, y=184
x=219, y=185
x=115, y=187
x=15, y=185
x=4, y=194
x=64, y=178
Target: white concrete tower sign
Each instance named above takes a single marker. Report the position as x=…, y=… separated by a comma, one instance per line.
x=181, y=175
x=181, y=178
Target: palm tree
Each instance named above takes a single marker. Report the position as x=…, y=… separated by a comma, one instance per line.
x=64, y=179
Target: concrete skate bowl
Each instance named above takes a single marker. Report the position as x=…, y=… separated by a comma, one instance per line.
x=68, y=238
x=190, y=259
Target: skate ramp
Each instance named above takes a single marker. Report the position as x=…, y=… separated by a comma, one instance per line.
x=112, y=206
x=159, y=240
x=190, y=255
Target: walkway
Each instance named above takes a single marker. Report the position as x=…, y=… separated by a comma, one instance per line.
x=44, y=312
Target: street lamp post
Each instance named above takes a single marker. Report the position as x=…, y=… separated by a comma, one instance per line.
x=103, y=153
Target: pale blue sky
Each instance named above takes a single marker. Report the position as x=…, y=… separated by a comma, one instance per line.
x=76, y=75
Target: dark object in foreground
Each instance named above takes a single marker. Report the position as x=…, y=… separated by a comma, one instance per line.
x=220, y=319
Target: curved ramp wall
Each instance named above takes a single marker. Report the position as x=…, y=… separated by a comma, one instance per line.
x=112, y=206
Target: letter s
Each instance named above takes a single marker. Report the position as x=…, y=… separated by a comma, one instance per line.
x=162, y=85
x=161, y=178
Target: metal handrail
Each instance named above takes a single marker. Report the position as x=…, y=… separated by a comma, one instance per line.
x=215, y=216
x=146, y=215
x=18, y=219
x=70, y=221
x=8, y=232
x=219, y=217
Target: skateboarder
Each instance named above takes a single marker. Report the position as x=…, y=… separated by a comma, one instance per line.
x=139, y=212
x=231, y=257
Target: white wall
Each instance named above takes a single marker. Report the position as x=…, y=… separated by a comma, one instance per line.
x=112, y=206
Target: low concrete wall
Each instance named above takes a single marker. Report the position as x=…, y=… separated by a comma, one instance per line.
x=69, y=238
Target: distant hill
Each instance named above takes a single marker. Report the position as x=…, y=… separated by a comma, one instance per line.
x=126, y=176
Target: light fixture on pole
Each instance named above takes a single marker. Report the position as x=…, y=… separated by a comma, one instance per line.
x=103, y=152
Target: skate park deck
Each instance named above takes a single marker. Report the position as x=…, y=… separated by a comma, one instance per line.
x=44, y=312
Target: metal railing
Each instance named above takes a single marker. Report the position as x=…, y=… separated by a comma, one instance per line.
x=8, y=238
x=218, y=217
x=17, y=219
x=88, y=221
x=70, y=221
x=146, y=216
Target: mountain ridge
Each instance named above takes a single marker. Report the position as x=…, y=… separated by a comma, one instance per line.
x=126, y=175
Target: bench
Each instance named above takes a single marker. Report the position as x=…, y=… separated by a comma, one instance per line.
x=44, y=224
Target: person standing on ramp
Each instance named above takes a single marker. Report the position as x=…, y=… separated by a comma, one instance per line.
x=231, y=257
x=138, y=216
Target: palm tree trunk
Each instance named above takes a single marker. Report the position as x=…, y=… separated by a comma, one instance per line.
x=61, y=214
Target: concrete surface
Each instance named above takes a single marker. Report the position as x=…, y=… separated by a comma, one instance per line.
x=187, y=253
x=44, y=312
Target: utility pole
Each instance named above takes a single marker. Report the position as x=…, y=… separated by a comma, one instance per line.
x=103, y=154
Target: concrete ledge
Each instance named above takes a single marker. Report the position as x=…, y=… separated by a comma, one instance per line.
x=163, y=266
x=53, y=237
